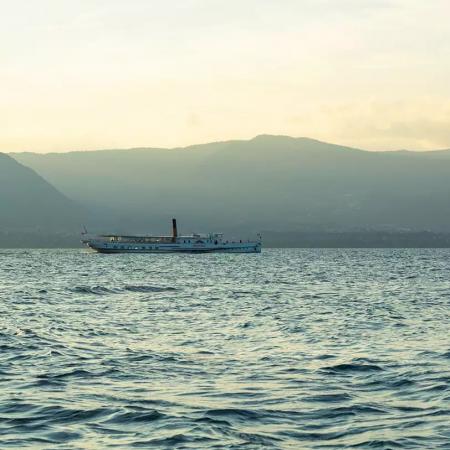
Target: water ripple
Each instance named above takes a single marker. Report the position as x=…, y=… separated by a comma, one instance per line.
x=290, y=349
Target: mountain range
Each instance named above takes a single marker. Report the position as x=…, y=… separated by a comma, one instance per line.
x=274, y=184
x=29, y=202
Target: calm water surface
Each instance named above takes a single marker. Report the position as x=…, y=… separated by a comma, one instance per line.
x=289, y=349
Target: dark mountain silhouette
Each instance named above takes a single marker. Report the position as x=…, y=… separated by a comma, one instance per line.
x=28, y=202
x=275, y=183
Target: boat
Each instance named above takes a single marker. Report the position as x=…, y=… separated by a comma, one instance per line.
x=195, y=243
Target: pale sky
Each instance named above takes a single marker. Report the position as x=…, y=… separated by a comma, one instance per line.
x=90, y=74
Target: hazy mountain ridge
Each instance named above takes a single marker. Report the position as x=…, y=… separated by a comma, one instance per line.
x=435, y=154
x=274, y=183
x=28, y=202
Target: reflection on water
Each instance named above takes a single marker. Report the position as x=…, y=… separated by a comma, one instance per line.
x=287, y=349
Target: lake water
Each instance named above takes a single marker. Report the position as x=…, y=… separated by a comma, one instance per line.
x=289, y=349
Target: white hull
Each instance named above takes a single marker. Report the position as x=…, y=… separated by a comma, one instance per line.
x=109, y=247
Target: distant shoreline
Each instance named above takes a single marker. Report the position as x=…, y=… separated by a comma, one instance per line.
x=304, y=239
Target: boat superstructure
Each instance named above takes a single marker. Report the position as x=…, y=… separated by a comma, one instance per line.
x=195, y=243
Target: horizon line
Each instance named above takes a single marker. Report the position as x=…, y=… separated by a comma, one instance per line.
x=262, y=135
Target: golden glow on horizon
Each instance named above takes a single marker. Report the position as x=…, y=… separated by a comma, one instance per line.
x=93, y=74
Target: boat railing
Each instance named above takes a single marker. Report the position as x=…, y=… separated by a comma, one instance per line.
x=193, y=239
